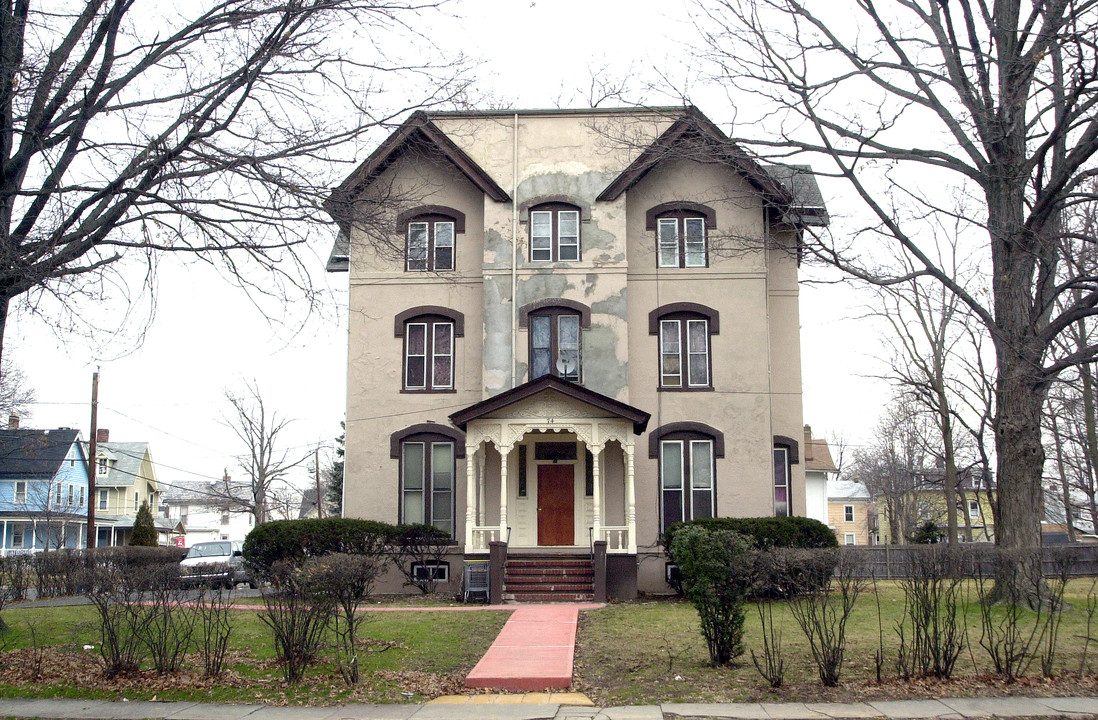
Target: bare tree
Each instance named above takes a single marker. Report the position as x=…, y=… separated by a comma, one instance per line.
x=213, y=130
x=916, y=103
x=264, y=463
x=16, y=396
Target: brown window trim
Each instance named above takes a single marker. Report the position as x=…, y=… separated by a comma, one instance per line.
x=430, y=323
x=683, y=313
x=685, y=434
x=428, y=435
x=432, y=220
x=554, y=313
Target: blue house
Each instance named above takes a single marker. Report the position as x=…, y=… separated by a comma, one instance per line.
x=43, y=490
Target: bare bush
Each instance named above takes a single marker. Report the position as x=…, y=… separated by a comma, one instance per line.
x=15, y=577
x=116, y=597
x=822, y=615
x=215, y=626
x=346, y=581
x=769, y=568
x=931, y=630
x=165, y=622
x=298, y=616
x=420, y=547
x=1010, y=632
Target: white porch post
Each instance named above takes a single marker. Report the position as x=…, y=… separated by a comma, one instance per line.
x=596, y=492
x=4, y=540
x=504, y=451
x=482, y=506
x=470, y=495
x=630, y=498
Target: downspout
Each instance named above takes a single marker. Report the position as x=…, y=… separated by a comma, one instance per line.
x=770, y=371
x=514, y=251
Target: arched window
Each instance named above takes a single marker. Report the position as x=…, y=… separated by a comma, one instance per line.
x=688, y=477
x=682, y=239
x=429, y=333
x=427, y=454
x=685, y=348
x=554, y=232
x=430, y=233
x=556, y=345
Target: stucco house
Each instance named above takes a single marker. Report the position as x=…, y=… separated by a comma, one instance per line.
x=568, y=330
x=43, y=489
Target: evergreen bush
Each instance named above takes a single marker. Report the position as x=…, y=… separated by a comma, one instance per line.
x=294, y=541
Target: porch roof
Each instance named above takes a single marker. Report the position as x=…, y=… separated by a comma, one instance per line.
x=613, y=407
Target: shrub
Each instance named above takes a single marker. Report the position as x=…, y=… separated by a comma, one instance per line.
x=823, y=613
x=716, y=578
x=144, y=529
x=419, y=546
x=294, y=541
x=767, y=532
x=346, y=581
x=297, y=615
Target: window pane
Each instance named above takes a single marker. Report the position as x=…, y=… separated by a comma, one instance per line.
x=668, y=231
x=413, y=506
x=568, y=345
x=413, y=466
x=541, y=235
x=698, y=340
x=568, y=229
x=417, y=246
x=671, y=464
x=540, y=338
x=781, y=483
x=701, y=464
x=444, y=246
x=442, y=466
x=702, y=504
x=670, y=367
x=416, y=362
x=695, y=242
x=443, y=362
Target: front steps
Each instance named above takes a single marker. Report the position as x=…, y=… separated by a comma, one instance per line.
x=549, y=578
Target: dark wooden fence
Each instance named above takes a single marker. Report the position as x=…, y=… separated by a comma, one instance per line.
x=887, y=562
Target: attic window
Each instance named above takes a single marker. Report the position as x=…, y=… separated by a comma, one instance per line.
x=101, y=468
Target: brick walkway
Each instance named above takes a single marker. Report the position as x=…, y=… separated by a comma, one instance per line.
x=533, y=650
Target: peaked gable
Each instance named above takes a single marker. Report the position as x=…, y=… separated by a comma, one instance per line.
x=416, y=131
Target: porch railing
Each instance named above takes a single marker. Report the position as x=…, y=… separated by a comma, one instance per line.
x=616, y=537
x=482, y=535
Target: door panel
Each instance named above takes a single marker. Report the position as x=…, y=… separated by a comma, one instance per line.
x=556, y=505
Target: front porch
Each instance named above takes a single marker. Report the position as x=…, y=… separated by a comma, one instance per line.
x=550, y=470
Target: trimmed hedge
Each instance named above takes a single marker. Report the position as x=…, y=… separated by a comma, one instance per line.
x=296, y=540
x=767, y=532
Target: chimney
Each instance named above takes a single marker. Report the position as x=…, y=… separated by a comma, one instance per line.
x=808, y=448
x=13, y=422
x=102, y=435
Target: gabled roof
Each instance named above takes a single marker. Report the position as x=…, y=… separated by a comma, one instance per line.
x=846, y=490
x=695, y=129
x=126, y=468
x=28, y=453
x=613, y=407
x=416, y=132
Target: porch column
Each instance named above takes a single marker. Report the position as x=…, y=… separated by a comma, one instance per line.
x=482, y=506
x=504, y=451
x=630, y=498
x=4, y=540
x=596, y=492
x=470, y=495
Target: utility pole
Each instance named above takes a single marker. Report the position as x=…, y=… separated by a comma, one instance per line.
x=316, y=473
x=90, y=544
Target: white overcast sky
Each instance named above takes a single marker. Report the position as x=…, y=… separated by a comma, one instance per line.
x=207, y=337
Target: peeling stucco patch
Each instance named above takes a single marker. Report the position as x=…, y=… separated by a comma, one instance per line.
x=615, y=305
x=546, y=284
x=603, y=371
x=497, y=324
x=497, y=249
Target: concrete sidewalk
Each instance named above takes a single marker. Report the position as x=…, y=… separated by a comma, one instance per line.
x=1079, y=708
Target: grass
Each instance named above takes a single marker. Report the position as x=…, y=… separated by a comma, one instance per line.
x=406, y=657
x=651, y=652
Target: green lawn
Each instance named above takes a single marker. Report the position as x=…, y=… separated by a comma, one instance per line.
x=649, y=652
x=408, y=656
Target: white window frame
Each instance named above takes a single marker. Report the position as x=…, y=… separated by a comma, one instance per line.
x=440, y=571
x=432, y=499
x=104, y=497
x=101, y=466
x=72, y=495
x=784, y=464
x=19, y=497
x=673, y=237
x=848, y=513
x=136, y=500
x=58, y=494
x=426, y=360
x=849, y=539
x=427, y=259
x=687, y=486
x=974, y=509
x=448, y=383
x=687, y=358
x=550, y=247
x=18, y=537
x=82, y=495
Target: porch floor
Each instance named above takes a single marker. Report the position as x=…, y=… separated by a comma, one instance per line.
x=532, y=652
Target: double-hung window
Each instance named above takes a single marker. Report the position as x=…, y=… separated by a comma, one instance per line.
x=429, y=355
x=781, y=482
x=20, y=497
x=102, y=499
x=684, y=353
x=686, y=480
x=427, y=483
x=848, y=513
x=430, y=244
x=554, y=233
x=681, y=241
x=555, y=344
x=72, y=495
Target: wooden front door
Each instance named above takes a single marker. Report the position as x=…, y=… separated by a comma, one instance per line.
x=556, y=505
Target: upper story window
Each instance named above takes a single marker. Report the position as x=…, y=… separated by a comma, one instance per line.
x=687, y=455
x=136, y=501
x=685, y=347
x=102, y=499
x=556, y=345
x=20, y=497
x=848, y=513
x=554, y=232
x=101, y=466
x=429, y=333
x=682, y=239
x=431, y=237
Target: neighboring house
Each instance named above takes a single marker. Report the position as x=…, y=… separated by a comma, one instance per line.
x=125, y=476
x=309, y=507
x=43, y=489
x=819, y=469
x=1057, y=534
x=851, y=513
x=207, y=510
x=975, y=514
x=570, y=328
